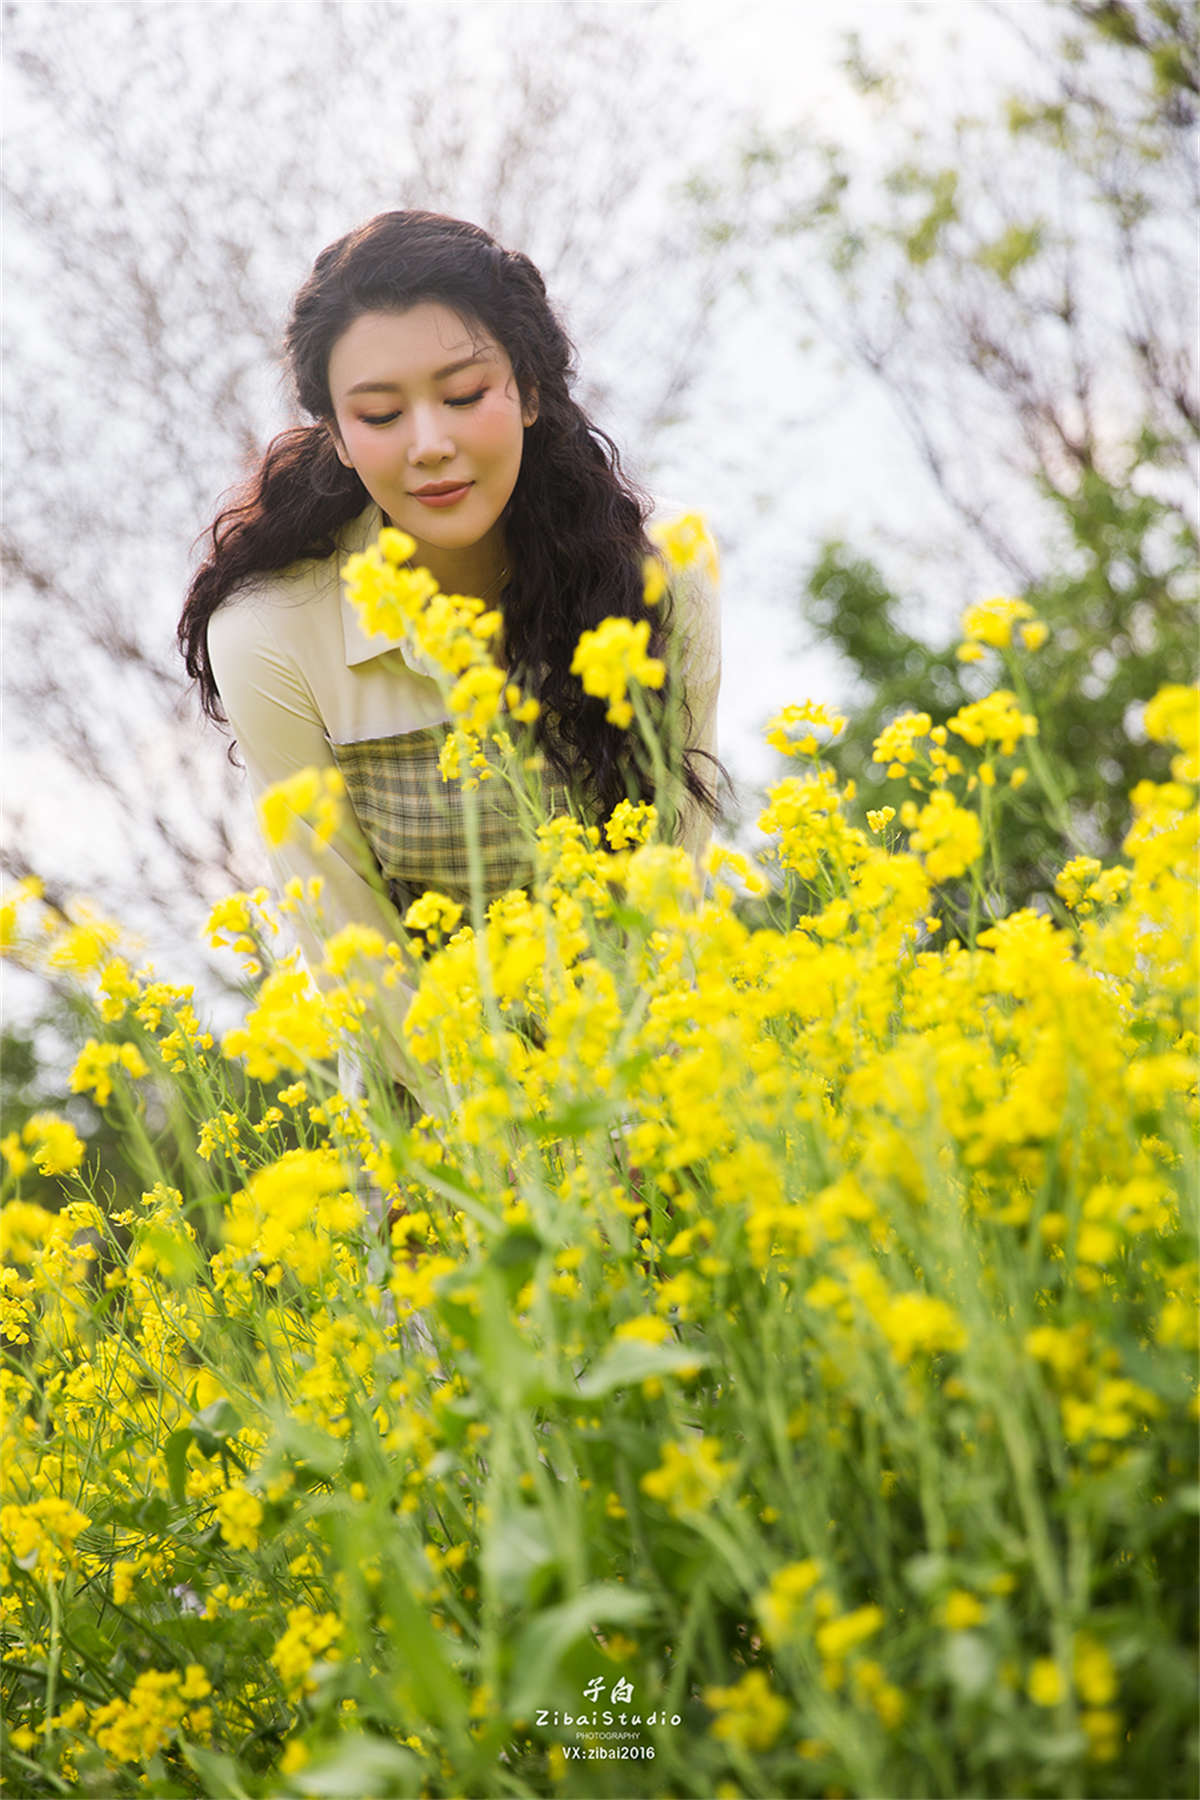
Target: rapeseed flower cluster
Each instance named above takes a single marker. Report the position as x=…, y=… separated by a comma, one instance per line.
x=611, y=658
x=94, y=1067
x=1173, y=717
x=679, y=544
x=50, y=1143
x=159, y=1703
x=779, y=1315
x=308, y=794
x=990, y=625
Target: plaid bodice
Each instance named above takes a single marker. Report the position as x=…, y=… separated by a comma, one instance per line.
x=415, y=824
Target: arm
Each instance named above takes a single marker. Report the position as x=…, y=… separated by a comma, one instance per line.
x=279, y=732
x=697, y=628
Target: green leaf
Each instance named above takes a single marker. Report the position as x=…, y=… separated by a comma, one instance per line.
x=179, y=1255
x=310, y=1447
x=360, y=1765
x=515, y=1550
x=631, y=1361
x=461, y=1318
x=208, y=1430
x=218, y=1774
x=515, y=1257
x=544, y=1643
x=578, y=1120
x=517, y=1249
x=219, y=1421
x=426, y=1684
x=175, y=1456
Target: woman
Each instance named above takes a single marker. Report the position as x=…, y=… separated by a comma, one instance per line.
x=438, y=379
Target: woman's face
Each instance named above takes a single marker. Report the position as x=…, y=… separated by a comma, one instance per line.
x=426, y=409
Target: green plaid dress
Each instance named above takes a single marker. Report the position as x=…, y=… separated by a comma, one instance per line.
x=415, y=822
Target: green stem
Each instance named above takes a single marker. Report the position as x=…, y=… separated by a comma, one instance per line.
x=1041, y=1547
x=651, y=741
x=1040, y=764
x=54, y=1660
x=44, y=1775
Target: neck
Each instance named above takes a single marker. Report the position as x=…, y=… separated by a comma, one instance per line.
x=479, y=569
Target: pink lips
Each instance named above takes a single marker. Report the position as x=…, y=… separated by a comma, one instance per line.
x=442, y=493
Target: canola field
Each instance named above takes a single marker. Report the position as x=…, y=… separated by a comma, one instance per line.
x=766, y=1367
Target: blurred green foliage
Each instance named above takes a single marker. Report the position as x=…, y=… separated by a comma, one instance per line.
x=1120, y=628
x=1019, y=284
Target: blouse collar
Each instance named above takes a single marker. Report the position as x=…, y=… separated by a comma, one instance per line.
x=360, y=645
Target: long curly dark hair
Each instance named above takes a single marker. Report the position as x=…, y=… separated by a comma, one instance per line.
x=575, y=524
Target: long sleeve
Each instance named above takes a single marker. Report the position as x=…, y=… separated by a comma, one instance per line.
x=279, y=732
x=694, y=661
x=698, y=630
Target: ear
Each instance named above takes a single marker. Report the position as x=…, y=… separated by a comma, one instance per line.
x=529, y=409
x=335, y=438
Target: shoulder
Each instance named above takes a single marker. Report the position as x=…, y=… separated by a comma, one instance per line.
x=684, y=541
x=249, y=614
x=692, y=567
x=268, y=637
x=286, y=611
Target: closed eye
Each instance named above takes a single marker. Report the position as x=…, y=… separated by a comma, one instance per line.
x=458, y=401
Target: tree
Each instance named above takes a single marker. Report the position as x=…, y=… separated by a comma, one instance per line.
x=1022, y=287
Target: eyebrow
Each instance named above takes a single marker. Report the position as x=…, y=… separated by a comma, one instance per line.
x=394, y=387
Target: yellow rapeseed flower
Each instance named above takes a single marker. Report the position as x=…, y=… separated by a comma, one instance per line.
x=786, y=730
x=648, y=1329
x=29, y=888
x=949, y=837
x=897, y=742
x=85, y=945
x=475, y=698
x=996, y=719
x=1045, y=1685
x=385, y=595
x=311, y=796
x=291, y=1026
x=749, y=1714
x=309, y=1635
x=690, y=1476
x=92, y=1073
x=118, y=986
x=839, y=1636
x=630, y=823
x=350, y=944
x=685, y=542
x=41, y=1535
x=1173, y=717
x=53, y=1145
x=240, y=1514
x=780, y=1604
x=159, y=1702
x=608, y=659
x=1093, y=1670
x=991, y=621
x=433, y=913
x=961, y=1610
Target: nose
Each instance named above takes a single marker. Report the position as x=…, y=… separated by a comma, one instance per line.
x=430, y=441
